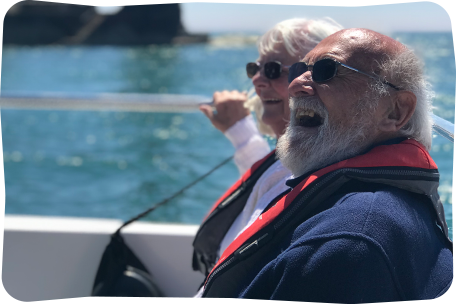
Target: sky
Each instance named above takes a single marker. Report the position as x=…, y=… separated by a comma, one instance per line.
x=384, y=16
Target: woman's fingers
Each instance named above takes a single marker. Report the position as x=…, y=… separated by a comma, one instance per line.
x=229, y=108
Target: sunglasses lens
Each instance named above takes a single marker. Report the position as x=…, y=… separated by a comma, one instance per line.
x=296, y=70
x=324, y=70
x=252, y=68
x=272, y=70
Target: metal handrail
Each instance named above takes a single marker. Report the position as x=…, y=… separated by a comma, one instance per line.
x=130, y=102
x=137, y=102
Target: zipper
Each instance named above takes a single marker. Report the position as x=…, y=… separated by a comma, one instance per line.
x=296, y=206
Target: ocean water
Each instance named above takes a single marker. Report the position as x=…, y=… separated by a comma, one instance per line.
x=116, y=164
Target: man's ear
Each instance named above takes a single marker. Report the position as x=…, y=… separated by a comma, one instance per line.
x=401, y=110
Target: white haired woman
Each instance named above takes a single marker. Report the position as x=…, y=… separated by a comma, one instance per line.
x=286, y=43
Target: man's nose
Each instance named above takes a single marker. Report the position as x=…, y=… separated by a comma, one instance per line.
x=301, y=85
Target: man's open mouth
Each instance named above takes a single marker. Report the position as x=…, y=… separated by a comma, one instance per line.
x=308, y=118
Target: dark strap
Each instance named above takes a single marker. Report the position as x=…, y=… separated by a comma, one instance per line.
x=146, y=212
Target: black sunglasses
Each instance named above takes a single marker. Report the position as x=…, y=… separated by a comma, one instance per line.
x=325, y=69
x=272, y=69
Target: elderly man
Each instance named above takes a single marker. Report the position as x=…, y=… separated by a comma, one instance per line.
x=362, y=220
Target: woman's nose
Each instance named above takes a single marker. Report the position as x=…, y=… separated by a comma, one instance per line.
x=259, y=80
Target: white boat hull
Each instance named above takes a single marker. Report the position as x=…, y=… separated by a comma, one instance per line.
x=48, y=258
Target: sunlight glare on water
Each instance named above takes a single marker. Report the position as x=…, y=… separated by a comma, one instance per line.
x=116, y=164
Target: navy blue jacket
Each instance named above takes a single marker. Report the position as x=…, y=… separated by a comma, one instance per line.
x=377, y=245
x=349, y=232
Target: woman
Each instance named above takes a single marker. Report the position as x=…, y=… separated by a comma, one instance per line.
x=287, y=42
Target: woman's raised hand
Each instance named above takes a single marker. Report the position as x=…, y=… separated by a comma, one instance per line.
x=226, y=110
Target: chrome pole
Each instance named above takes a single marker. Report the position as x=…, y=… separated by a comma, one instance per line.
x=443, y=127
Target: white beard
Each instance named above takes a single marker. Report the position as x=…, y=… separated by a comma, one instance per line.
x=301, y=151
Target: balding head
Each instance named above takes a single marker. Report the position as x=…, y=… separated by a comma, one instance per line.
x=361, y=48
x=354, y=105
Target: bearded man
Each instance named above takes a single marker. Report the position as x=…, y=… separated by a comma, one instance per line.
x=362, y=220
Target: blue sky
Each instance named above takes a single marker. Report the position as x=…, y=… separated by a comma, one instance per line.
x=412, y=16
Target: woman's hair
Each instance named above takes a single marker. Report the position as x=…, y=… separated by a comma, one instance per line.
x=298, y=36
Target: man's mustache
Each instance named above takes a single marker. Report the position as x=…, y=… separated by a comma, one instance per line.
x=313, y=103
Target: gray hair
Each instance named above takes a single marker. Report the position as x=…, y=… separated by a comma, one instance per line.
x=405, y=70
x=299, y=36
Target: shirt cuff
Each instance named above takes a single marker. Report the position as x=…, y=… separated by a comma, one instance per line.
x=240, y=133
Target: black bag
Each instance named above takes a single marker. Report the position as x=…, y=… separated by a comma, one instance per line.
x=121, y=273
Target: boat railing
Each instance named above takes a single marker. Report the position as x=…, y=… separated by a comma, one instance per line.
x=129, y=102
x=137, y=102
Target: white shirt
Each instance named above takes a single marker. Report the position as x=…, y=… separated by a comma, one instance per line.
x=250, y=145
x=268, y=187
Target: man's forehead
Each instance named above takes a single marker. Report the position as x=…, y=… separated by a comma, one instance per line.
x=357, y=43
x=329, y=49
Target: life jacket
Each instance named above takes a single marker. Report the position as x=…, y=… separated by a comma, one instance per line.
x=222, y=215
x=406, y=165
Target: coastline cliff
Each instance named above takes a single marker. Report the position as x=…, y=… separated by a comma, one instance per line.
x=47, y=23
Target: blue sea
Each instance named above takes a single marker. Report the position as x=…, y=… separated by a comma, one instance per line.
x=108, y=164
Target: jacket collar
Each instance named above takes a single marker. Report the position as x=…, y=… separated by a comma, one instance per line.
x=293, y=182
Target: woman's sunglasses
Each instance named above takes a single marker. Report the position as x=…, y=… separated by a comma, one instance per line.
x=326, y=69
x=272, y=69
